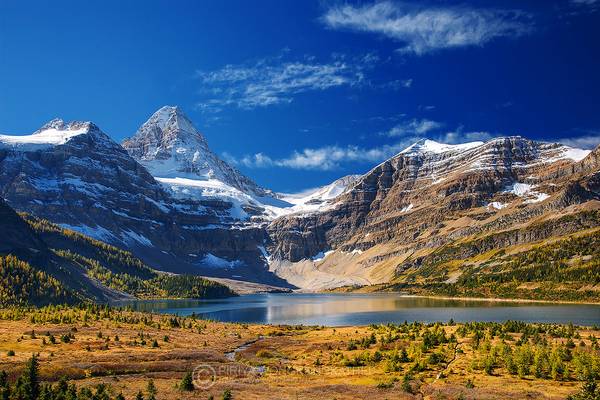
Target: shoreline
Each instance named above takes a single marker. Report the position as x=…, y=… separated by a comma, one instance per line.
x=494, y=299
x=400, y=294
x=498, y=299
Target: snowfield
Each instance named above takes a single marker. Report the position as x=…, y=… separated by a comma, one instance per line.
x=526, y=191
x=41, y=139
x=431, y=146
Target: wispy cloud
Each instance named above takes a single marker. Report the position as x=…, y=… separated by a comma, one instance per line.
x=397, y=84
x=274, y=80
x=586, y=141
x=335, y=156
x=324, y=158
x=413, y=127
x=424, y=30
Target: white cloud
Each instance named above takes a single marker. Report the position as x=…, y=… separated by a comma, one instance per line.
x=275, y=81
x=413, y=127
x=587, y=141
x=333, y=157
x=423, y=30
x=397, y=84
x=324, y=158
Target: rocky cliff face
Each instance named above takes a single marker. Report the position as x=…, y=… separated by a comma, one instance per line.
x=432, y=194
x=169, y=146
x=75, y=175
x=176, y=205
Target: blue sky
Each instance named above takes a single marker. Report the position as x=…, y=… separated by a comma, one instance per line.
x=298, y=93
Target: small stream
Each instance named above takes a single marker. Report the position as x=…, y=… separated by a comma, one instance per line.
x=230, y=355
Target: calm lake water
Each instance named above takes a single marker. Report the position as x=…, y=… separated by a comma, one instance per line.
x=364, y=309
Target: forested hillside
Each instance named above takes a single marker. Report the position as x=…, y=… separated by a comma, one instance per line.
x=42, y=263
x=22, y=284
x=558, y=268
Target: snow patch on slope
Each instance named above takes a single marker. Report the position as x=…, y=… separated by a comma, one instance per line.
x=497, y=205
x=211, y=189
x=97, y=232
x=527, y=191
x=130, y=236
x=538, y=196
x=574, y=154
x=407, y=208
x=42, y=139
x=213, y=261
x=520, y=189
x=431, y=146
x=317, y=199
x=320, y=256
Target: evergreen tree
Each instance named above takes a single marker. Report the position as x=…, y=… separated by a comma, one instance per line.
x=589, y=391
x=31, y=381
x=187, y=382
x=151, y=390
x=227, y=395
x=4, y=386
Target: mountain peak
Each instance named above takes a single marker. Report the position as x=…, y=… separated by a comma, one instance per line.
x=59, y=125
x=53, y=133
x=166, y=133
x=56, y=123
x=170, y=146
x=170, y=122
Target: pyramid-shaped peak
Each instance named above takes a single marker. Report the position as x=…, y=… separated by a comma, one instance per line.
x=169, y=146
x=168, y=130
x=170, y=118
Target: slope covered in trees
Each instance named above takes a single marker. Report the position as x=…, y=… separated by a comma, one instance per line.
x=42, y=263
x=558, y=268
x=23, y=284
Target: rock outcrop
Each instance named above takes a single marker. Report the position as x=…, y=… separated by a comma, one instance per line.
x=432, y=194
x=75, y=175
x=167, y=197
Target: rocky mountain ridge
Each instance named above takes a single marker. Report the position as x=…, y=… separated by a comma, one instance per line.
x=422, y=199
x=75, y=175
x=168, y=198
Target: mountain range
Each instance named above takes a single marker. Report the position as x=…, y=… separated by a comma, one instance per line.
x=431, y=215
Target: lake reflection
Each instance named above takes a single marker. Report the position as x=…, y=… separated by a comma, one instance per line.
x=364, y=309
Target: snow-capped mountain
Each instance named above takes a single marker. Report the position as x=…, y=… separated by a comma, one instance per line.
x=178, y=156
x=168, y=198
x=73, y=172
x=169, y=146
x=317, y=199
x=55, y=132
x=75, y=175
x=428, y=195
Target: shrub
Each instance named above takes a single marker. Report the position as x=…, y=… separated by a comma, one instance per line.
x=187, y=383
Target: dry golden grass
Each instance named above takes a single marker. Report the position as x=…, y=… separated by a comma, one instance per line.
x=300, y=362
